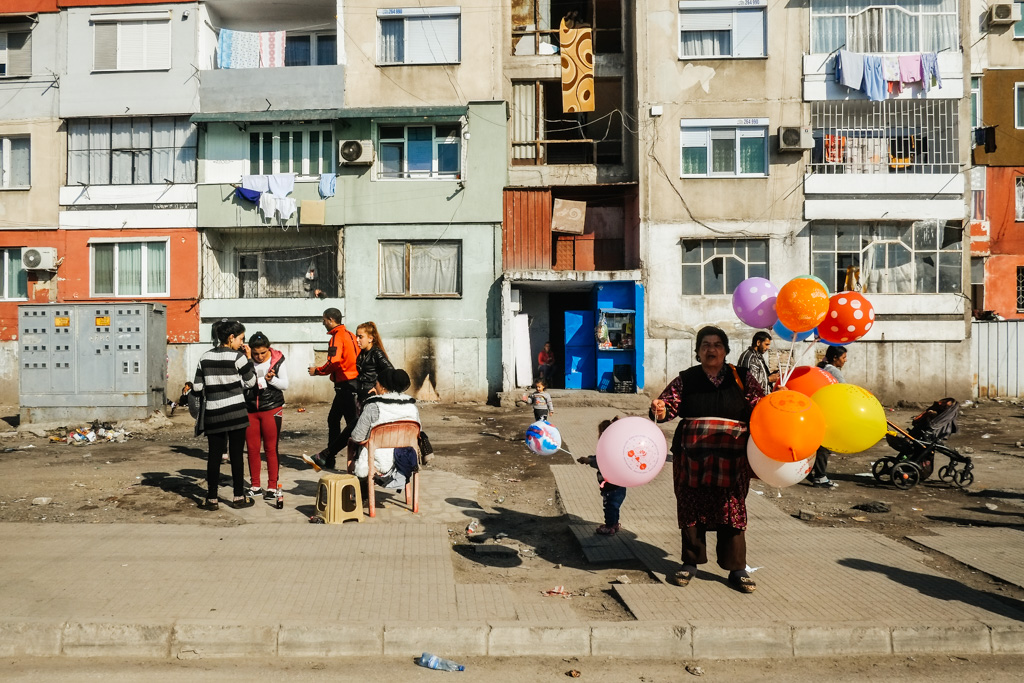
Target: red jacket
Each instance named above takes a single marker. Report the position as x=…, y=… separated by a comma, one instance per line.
x=341, y=356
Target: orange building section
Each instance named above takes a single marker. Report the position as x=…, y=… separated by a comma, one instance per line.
x=71, y=284
x=1005, y=241
x=18, y=6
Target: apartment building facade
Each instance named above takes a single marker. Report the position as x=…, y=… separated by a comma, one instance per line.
x=756, y=160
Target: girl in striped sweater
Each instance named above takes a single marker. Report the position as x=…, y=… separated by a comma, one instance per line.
x=223, y=373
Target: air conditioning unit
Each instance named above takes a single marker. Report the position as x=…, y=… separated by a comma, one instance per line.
x=795, y=138
x=355, y=152
x=1003, y=13
x=38, y=258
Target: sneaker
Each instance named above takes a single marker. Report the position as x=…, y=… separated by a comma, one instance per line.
x=270, y=494
x=823, y=483
x=255, y=491
x=316, y=460
x=606, y=530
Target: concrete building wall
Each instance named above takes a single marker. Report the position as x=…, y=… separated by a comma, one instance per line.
x=36, y=206
x=477, y=75
x=35, y=96
x=86, y=92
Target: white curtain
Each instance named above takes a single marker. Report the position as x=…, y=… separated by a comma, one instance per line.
x=142, y=143
x=392, y=268
x=163, y=150
x=121, y=152
x=866, y=32
x=434, y=269
x=706, y=43
x=99, y=152
x=129, y=268
x=78, y=151
x=901, y=31
x=828, y=34
x=940, y=33
x=156, y=268
x=392, y=41
x=185, y=136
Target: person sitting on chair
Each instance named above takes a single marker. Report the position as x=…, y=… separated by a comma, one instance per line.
x=387, y=403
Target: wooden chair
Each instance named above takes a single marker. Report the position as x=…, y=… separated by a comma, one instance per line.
x=402, y=433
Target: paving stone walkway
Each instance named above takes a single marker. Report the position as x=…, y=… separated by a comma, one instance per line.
x=995, y=551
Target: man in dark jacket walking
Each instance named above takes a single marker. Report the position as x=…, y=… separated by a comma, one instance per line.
x=341, y=367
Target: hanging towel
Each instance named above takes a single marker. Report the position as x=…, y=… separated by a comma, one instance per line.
x=891, y=73
x=247, y=195
x=910, y=68
x=313, y=212
x=874, y=81
x=990, y=140
x=281, y=184
x=327, y=184
x=285, y=207
x=238, y=49
x=271, y=49
x=979, y=137
x=835, y=148
x=268, y=205
x=850, y=69
x=930, y=71
x=256, y=183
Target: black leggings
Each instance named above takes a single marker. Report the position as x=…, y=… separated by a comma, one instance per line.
x=233, y=443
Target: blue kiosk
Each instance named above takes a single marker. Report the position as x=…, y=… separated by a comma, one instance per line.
x=604, y=347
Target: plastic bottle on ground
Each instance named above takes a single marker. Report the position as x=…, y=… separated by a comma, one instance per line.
x=279, y=503
x=434, y=662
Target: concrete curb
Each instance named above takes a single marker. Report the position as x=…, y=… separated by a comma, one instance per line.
x=203, y=639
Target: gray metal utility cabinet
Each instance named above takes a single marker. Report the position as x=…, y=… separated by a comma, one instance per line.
x=85, y=362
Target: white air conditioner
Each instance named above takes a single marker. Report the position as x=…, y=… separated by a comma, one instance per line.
x=355, y=152
x=1003, y=13
x=38, y=258
x=795, y=138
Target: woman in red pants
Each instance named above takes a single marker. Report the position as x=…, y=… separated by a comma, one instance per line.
x=265, y=403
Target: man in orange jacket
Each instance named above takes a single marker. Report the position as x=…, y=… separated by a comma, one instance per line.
x=341, y=367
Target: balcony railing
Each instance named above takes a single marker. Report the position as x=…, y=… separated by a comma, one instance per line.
x=893, y=136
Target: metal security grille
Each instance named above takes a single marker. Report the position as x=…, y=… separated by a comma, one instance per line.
x=893, y=136
x=246, y=263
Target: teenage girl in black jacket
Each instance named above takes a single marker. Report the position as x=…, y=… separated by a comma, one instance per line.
x=371, y=360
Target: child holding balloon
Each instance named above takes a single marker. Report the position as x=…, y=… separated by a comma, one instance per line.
x=611, y=495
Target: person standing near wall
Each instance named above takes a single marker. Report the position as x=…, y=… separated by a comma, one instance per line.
x=753, y=360
x=341, y=368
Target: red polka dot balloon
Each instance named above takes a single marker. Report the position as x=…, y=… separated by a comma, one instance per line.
x=849, y=318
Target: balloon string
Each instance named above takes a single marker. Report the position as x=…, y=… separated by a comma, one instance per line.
x=791, y=366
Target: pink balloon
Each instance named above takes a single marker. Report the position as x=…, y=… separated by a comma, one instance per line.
x=631, y=451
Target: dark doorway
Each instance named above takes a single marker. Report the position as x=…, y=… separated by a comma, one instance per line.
x=558, y=304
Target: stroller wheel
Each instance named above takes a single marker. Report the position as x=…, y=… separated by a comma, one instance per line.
x=963, y=479
x=906, y=475
x=882, y=469
x=947, y=473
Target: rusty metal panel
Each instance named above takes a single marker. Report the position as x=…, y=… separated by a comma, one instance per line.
x=526, y=233
x=997, y=358
x=565, y=253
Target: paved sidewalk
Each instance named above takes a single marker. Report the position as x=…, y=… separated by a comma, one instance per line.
x=278, y=586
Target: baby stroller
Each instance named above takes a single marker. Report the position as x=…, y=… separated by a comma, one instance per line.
x=916, y=449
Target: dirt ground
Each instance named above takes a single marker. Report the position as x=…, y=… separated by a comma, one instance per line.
x=157, y=476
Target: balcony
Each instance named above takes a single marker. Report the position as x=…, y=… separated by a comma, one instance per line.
x=820, y=80
x=535, y=24
x=893, y=159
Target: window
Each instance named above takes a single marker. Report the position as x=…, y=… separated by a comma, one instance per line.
x=141, y=43
x=310, y=49
x=1018, y=27
x=977, y=284
x=535, y=24
x=923, y=257
x=130, y=268
x=976, y=102
x=724, y=147
x=303, y=150
x=13, y=280
x=419, y=151
x=427, y=35
x=15, y=162
x=294, y=272
x=918, y=26
x=131, y=151
x=1019, y=203
x=720, y=29
x=15, y=53
x=719, y=266
x=1018, y=105
x=420, y=269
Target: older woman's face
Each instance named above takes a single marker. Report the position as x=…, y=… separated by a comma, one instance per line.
x=711, y=351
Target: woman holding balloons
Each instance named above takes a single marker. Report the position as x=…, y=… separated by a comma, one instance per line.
x=710, y=473
x=835, y=359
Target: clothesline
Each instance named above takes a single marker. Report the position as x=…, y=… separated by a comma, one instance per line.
x=270, y=194
x=881, y=76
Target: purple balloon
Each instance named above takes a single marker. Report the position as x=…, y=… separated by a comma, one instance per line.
x=754, y=302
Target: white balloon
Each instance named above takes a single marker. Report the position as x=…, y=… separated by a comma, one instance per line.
x=775, y=472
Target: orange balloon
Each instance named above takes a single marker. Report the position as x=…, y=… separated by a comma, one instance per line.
x=787, y=426
x=801, y=304
x=807, y=379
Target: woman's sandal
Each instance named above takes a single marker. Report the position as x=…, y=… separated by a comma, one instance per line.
x=243, y=502
x=681, y=578
x=744, y=584
x=209, y=505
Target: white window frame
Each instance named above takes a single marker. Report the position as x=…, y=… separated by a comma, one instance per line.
x=1018, y=111
x=5, y=275
x=817, y=5
x=747, y=127
x=409, y=245
x=1018, y=26
x=6, y=52
x=306, y=169
x=1018, y=205
x=976, y=113
x=5, y=162
x=751, y=268
x=117, y=242
x=153, y=24
x=96, y=157
x=314, y=37
x=730, y=12
x=436, y=143
x=409, y=15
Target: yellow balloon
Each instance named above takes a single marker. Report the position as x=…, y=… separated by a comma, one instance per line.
x=854, y=419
